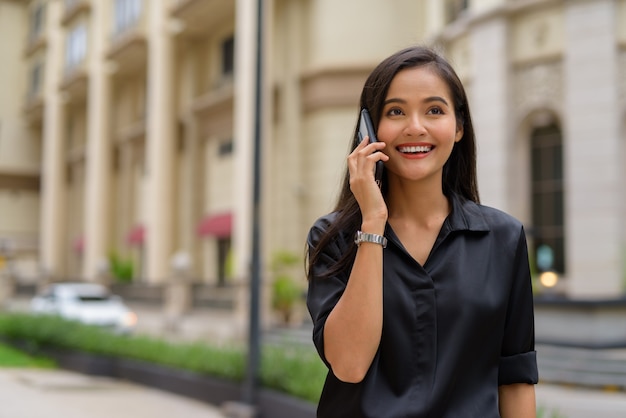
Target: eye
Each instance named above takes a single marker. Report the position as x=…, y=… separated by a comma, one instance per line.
x=394, y=112
x=435, y=111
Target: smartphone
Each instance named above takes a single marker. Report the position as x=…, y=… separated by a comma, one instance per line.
x=366, y=128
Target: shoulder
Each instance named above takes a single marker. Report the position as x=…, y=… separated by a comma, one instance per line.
x=498, y=219
x=327, y=226
x=472, y=216
x=321, y=226
x=327, y=241
x=505, y=229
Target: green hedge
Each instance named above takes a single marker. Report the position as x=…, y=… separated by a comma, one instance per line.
x=11, y=357
x=296, y=371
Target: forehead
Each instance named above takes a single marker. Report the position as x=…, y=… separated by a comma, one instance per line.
x=418, y=81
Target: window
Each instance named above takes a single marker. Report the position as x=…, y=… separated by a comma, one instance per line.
x=127, y=13
x=36, y=22
x=547, y=197
x=34, y=88
x=228, y=56
x=225, y=148
x=75, y=47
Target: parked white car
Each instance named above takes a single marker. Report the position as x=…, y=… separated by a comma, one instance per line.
x=89, y=303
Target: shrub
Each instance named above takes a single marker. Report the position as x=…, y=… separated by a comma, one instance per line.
x=296, y=371
x=286, y=292
x=122, y=269
x=10, y=357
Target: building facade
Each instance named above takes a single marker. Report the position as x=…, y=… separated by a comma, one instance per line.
x=131, y=124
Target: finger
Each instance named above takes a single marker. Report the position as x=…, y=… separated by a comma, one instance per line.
x=362, y=144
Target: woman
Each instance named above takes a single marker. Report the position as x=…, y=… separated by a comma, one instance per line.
x=439, y=321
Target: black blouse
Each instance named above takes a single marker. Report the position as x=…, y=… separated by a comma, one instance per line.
x=453, y=329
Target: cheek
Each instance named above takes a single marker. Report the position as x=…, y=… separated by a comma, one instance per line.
x=450, y=133
x=386, y=132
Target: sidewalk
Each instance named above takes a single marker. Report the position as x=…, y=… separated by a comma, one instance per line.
x=579, y=402
x=36, y=393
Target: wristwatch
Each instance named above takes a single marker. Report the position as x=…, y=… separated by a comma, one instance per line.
x=367, y=237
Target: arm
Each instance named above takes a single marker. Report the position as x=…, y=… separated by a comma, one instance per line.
x=354, y=327
x=517, y=401
x=518, y=364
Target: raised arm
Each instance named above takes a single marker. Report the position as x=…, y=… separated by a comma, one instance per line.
x=353, y=329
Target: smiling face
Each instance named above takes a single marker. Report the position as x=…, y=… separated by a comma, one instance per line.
x=418, y=124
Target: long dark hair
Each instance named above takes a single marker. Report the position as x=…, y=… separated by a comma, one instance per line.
x=459, y=172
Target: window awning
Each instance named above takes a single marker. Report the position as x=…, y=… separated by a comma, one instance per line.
x=216, y=225
x=79, y=244
x=136, y=235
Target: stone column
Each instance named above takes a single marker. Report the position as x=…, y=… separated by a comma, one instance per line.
x=98, y=161
x=189, y=213
x=245, y=65
x=490, y=112
x=159, y=143
x=53, y=185
x=591, y=150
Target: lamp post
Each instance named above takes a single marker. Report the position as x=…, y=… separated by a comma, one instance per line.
x=254, y=336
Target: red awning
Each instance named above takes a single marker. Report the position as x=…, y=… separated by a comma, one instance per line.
x=136, y=235
x=79, y=244
x=219, y=225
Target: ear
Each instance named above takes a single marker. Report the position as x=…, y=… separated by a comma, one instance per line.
x=459, y=133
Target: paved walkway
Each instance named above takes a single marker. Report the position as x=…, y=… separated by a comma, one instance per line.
x=36, y=393
x=578, y=402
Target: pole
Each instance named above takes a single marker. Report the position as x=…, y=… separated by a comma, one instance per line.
x=254, y=348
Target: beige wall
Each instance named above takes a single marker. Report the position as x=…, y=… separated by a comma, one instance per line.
x=19, y=151
x=620, y=18
x=537, y=34
x=512, y=56
x=353, y=32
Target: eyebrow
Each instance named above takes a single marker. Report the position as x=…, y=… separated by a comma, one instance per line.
x=426, y=100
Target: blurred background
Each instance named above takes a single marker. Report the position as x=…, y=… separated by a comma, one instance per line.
x=127, y=126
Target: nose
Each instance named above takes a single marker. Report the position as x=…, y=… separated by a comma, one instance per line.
x=414, y=126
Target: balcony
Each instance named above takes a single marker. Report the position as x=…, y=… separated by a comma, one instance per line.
x=37, y=31
x=215, y=101
x=33, y=110
x=75, y=84
x=36, y=42
x=128, y=46
x=73, y=9
x=199, y=17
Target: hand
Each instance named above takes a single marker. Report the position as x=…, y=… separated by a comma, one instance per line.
x=361, y=164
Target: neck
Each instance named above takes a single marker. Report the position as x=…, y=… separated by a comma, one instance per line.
x=419, y=201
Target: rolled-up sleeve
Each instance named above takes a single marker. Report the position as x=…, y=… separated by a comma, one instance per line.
x=324, y=292
x=518, y=360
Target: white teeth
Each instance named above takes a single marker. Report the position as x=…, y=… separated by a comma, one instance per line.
x=415, y=149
